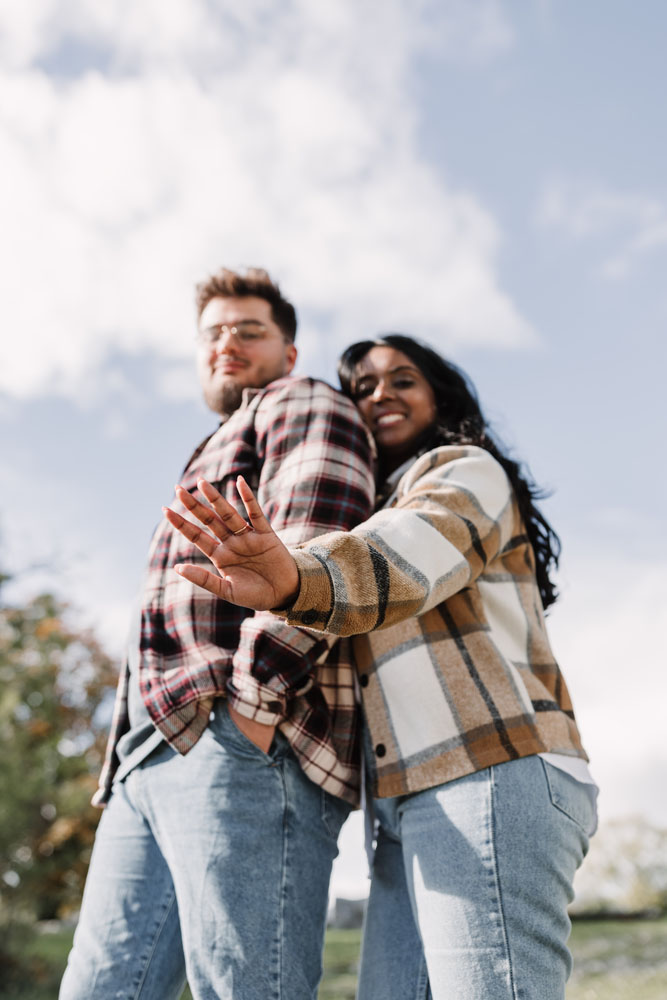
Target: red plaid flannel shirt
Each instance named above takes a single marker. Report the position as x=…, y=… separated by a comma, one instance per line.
x=303, y=449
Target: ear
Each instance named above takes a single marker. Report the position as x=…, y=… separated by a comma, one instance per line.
x=290, y=357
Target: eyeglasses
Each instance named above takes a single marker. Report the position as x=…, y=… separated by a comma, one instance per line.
x=245, y=332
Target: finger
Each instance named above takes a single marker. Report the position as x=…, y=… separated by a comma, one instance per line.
x=254, y=511
x=203, y=513
x=204, y=542
x=202, y=578
x=232, y=521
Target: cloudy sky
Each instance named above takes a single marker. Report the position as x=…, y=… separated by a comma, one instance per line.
x=487, y=175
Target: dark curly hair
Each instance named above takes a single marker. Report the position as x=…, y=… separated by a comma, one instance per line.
x=461, y=421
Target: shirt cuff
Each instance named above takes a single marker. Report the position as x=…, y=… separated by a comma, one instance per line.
x=314, y=603
x=261, y=704
x=269, y=710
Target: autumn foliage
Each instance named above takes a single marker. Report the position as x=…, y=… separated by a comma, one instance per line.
x=56, y=686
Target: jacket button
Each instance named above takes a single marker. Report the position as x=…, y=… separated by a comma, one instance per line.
x=380, y=750
x=363, y=680
x=309, y=617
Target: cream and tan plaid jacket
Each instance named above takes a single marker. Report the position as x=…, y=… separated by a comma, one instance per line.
x=439, y=592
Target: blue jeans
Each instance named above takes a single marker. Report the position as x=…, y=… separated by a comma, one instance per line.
x=213, y=865
x=470, y=886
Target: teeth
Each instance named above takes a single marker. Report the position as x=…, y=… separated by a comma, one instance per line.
x=389, y=418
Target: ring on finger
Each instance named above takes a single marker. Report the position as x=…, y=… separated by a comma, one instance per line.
x=242, y=531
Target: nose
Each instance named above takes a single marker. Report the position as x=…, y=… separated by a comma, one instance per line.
x=382, y=391
x=224, y=342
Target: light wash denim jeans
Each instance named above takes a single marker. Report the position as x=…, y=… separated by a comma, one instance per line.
x=470, y=886
x=213, y=865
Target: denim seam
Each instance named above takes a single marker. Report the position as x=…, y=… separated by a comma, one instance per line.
x=423, y=984
x=151, y=952
x=283, y=890
x=496, y=877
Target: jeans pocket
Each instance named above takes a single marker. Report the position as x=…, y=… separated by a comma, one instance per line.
x=225, y=731
x=570, y=797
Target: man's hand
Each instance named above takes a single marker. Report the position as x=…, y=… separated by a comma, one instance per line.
x=256, y=732
x=255, y=570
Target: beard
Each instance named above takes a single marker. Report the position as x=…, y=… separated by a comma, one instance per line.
x=224, y=398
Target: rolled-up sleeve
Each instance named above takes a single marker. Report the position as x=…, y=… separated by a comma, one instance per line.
x=453, y=516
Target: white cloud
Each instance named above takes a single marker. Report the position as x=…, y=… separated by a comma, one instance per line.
x=635, y=225
x=207, y=34
x=283, y=137
x=23, y=31
x=608, y=637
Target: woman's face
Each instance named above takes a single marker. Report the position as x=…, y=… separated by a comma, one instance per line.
x=395, y=400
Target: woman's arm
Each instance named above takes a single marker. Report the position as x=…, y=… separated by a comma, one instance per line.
x=455, y=516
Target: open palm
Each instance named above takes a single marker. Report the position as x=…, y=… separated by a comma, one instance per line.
x=254, y=568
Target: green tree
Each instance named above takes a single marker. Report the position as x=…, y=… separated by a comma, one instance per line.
x=55, y=688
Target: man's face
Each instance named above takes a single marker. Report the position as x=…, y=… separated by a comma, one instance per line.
x=239, y=346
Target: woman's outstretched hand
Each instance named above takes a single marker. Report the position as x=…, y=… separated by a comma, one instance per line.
x=255, y=570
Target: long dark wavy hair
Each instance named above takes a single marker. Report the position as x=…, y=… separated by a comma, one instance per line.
x=461, y=421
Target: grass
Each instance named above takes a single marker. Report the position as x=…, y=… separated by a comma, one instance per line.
x=614, y=960
x=341, y=957
x=619, y=960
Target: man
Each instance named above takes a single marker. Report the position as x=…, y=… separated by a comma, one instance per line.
x=233, y=757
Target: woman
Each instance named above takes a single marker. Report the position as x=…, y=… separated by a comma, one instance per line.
x=481, y=789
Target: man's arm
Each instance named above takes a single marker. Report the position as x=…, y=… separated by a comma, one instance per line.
x=315, y=476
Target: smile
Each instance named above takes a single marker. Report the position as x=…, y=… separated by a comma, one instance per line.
x=389, y=418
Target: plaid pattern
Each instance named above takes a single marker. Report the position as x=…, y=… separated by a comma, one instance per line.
x=450, y=644
x=303, y=449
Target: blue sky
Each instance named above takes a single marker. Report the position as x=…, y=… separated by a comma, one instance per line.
x=484, y=174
